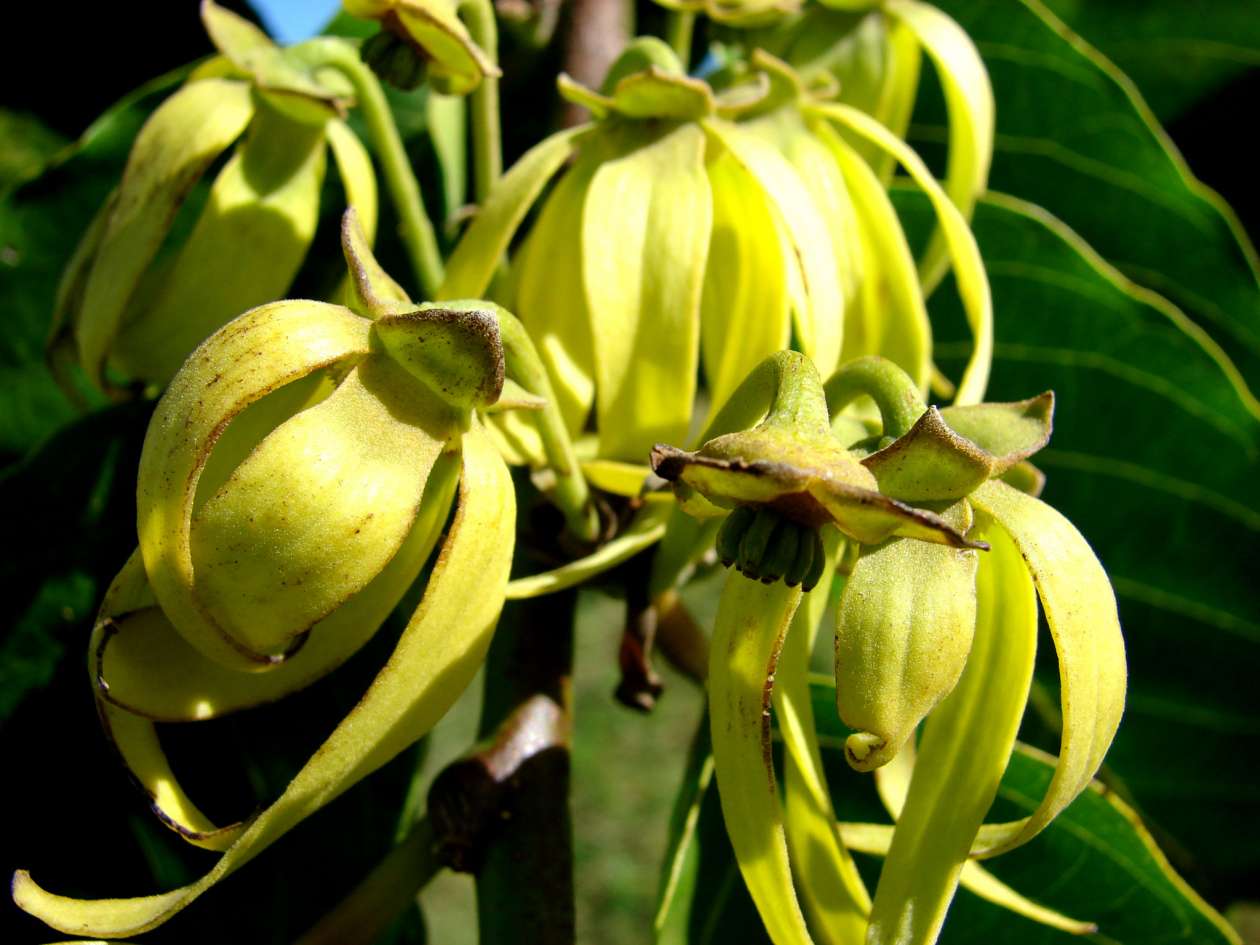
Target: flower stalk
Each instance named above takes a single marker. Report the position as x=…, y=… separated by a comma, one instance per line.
x=416, y=227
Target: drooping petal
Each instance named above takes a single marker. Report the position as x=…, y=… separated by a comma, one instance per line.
x=143, y=665
x=258, y=353
x=436, y=657
x=830, y=888
x=244, y=251
x=744, y=314
x=748, y=635
x=645, y=239
x=645, y=531
x=877, y=64
x=317, y=509
x=1080, y=609
x=973, y=284
x=550, y=298
x=176, y=144
x=819, y=311
x=136, y=741
x=129, y=600
x=485, y=241
x=969, y=102
x=965, y=747
x=904, y=629
x=888, y=316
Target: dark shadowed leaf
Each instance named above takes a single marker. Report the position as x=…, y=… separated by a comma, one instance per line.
x=1075, y=136
x=1177, y=51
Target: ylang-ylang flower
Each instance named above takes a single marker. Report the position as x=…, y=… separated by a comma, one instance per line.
x=937, y=619
x=146, y=284
x=295, y=478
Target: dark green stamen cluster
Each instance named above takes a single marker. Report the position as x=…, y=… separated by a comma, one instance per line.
x=765, y=546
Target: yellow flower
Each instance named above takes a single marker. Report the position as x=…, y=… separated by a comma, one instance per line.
x=676, y=239
x=133, y=303
x=924, y=628
x=295, y=478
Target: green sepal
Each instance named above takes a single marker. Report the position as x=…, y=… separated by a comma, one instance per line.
x=935, y=462
x=454, y=347
x=792, y=463
x=373, y=291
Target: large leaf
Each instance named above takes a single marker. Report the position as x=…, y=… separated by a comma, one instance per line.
x=1154, y=458
x=1095, y=861
x=1075, y=136
x=1174, y=51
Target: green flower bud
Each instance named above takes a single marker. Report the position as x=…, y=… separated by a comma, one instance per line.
x=437, y=45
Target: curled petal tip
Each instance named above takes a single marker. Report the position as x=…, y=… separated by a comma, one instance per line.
x=866, y=751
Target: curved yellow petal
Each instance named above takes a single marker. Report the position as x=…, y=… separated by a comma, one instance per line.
x=973, y=284
x=645, y=239
x=247, y=359
x=136, y=740
x=1080, y=609
x=644, y=531
x=176, y=144
x=969, y=102
x=144, y=666
x=245, y=249
x=966, y=744
x=744, y=313
x=435, y=659
x=752, y=621
x=483, y=244
x=831, y=890
x=318, y=508
x=888, y=316
x=550, y=298
x=819, y=309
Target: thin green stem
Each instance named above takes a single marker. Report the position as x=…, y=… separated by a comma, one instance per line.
x=571, y=493
x=484, y=105
x=679, y=27
x=404, y=191
x=892, y=389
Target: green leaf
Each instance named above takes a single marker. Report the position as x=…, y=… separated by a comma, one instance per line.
x=1175, y=56
x=78, y=489
x=1097, y=861
x=1075, y=136
x=1154, y=459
